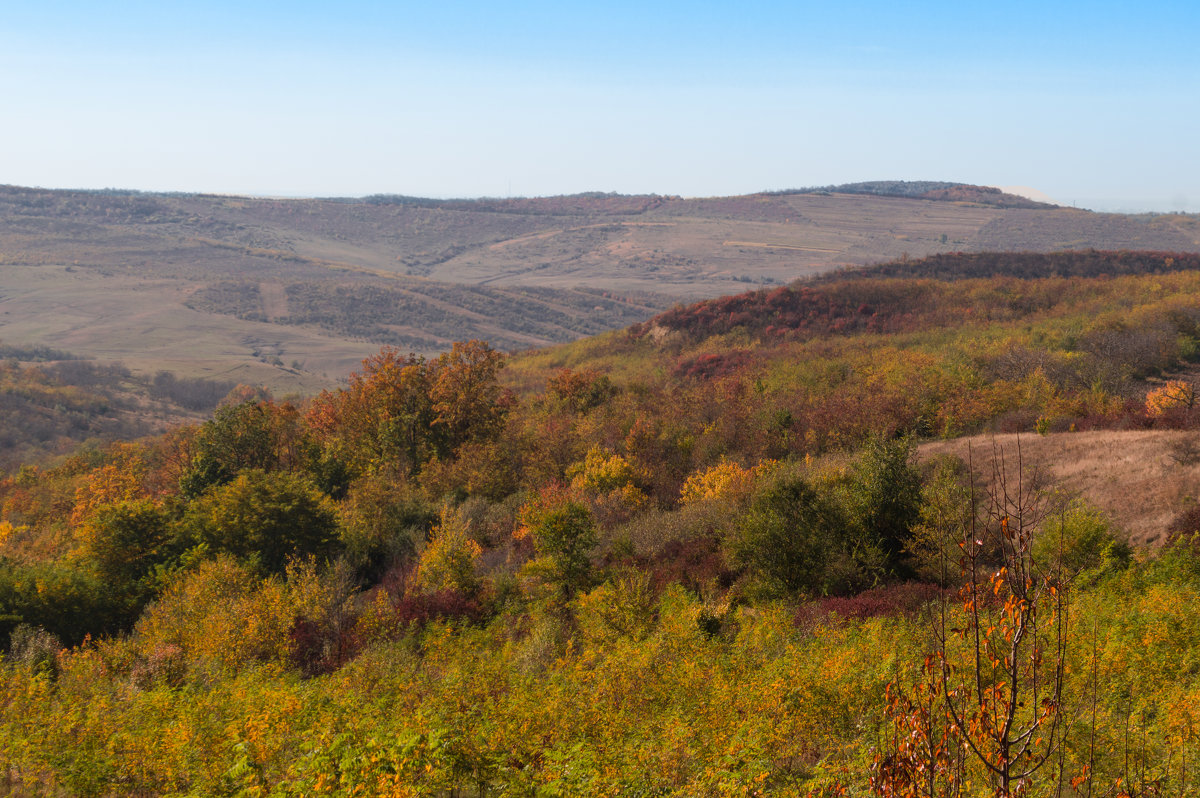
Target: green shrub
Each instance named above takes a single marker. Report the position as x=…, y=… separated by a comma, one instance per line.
x=792, y=541
x=124, y=541
x=269, y=517
x=564, y=536
x=383, y=521
x=1080, y=541
x=885, y=496
x=69, y=602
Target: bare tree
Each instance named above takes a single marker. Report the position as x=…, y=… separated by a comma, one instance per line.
x=992, y=692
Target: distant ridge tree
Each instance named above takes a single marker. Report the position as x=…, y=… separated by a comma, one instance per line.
x=883, y=188
x=925, y=189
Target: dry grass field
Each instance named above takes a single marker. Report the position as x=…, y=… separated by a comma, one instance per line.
x=1140, y=479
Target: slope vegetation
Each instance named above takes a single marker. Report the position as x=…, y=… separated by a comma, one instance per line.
x=699, y=556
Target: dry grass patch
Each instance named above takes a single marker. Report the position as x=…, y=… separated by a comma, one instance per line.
x=1140, y=479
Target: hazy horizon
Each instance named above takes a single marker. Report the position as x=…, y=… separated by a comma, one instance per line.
x=1099, y=205
x=1092, y=104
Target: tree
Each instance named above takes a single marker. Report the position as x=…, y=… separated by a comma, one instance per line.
x=993, y=690
x=253, y=435
x=125, y=540
x=382, y=522
x=268, y=517
x=107, y=485
x=401, y=410
x=580, y=390
x=1173, y=395
x=792, y=540
x=1003, y=670
x=468, y=403
x=886, y=495
x=381, y=421
x=563, y=536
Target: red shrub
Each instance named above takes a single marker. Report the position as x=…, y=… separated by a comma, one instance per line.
x=889, y=600
x=693, y=563
x=317, y=648
x=418, y=609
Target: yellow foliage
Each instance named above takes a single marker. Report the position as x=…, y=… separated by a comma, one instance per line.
x=448, y=562
x=1174, y=395
x=118, y=481
x=220, y=614
x=600, y=473
x=6, y=530
x=621, y=607
x=726, y=480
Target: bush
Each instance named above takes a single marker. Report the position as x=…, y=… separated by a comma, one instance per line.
x=34, y=649
x=564, y=536
x=70, y=603
x=792, y=541
x=268, y=517
x=220, y=615
x=1080, y=541
x=448, y=562
x=383, y=522
x=908, y=598
x=324, y=604
x=621, y=607
x=655, y=531
x=1185, y=527
x=392, y=618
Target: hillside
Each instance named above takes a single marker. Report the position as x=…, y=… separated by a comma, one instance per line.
x=52, y=401
x=1141, y=479
x=727, y=551
x=293, y=293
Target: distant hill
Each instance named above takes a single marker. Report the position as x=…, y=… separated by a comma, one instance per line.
x=294, y=292
x=842, y=303
x=930, y=190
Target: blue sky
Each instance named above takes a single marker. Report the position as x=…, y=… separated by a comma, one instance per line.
x=1093, y=103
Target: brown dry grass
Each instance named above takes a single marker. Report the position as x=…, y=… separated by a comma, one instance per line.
x=1134, y=477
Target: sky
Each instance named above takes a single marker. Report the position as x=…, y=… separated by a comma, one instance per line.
x=1095, y=104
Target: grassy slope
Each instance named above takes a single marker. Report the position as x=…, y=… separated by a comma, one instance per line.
x=964, y=339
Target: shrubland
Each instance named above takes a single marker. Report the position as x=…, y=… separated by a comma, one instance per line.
x=697, y=557
x=52, y=401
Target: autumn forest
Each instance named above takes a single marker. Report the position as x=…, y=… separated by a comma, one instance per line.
x=710, y=554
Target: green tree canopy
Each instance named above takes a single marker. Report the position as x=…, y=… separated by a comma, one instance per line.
x=268, y=516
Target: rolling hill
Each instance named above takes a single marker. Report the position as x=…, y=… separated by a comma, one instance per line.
x=294, y=292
